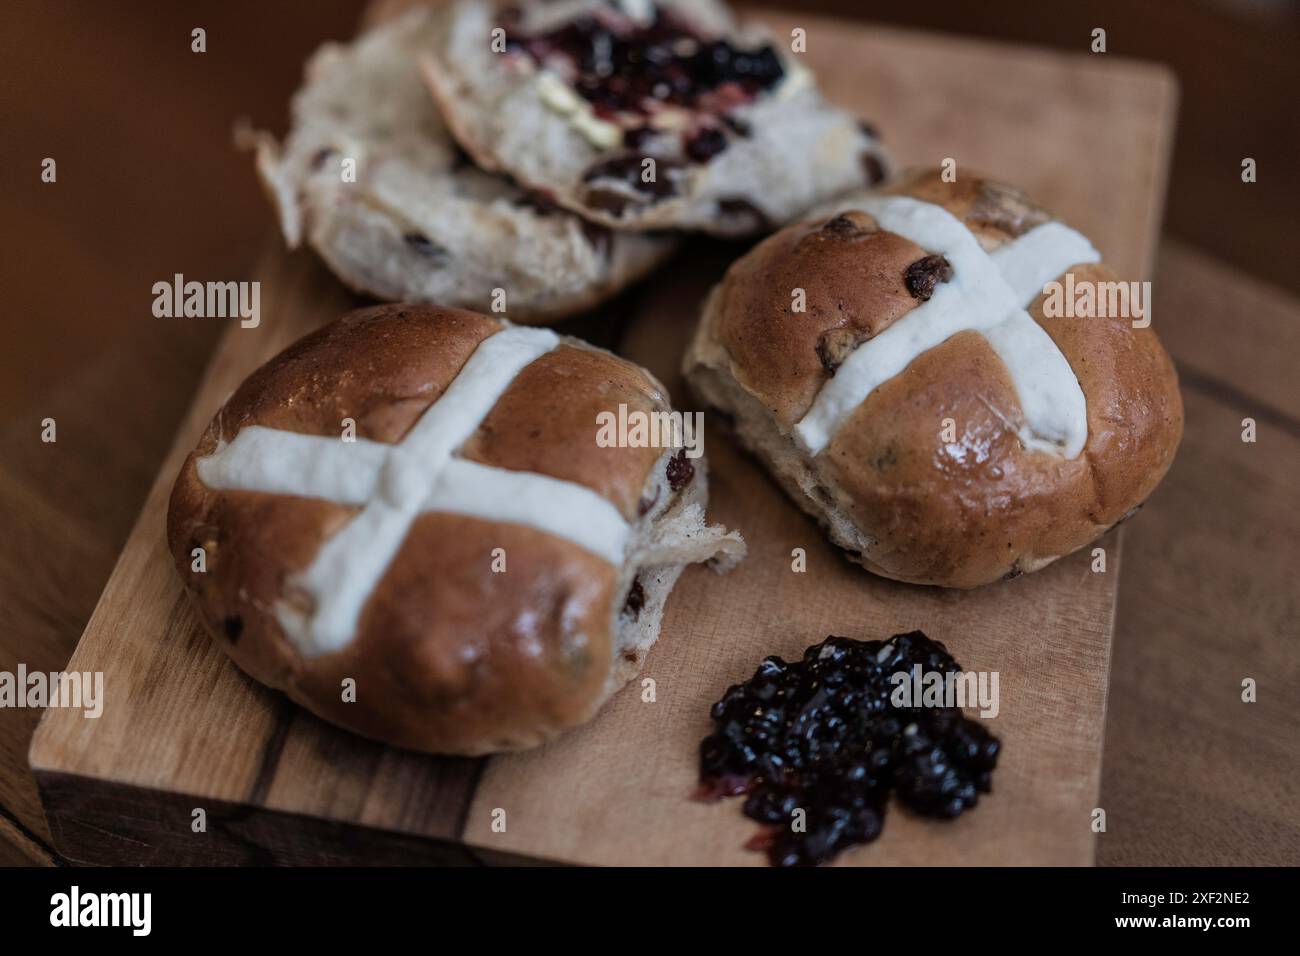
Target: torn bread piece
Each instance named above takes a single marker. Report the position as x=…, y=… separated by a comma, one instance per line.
x=645, y=115
x=370, y=178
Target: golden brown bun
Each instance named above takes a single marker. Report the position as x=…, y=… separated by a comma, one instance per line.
x=448, y=656
x=888, y=488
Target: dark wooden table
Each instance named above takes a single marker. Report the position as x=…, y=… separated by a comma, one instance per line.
x=148, y=185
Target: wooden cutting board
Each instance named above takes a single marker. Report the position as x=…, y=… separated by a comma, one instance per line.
x=183, y=729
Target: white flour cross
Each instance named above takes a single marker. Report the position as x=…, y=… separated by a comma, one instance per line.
x=987, y=294
x=394, y=484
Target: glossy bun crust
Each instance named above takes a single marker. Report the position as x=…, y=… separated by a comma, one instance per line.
x=888, y=489
x=448, y=657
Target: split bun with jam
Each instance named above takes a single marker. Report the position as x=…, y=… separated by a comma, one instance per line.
x=412, y=219
x=921, y=405
x=483, y=569
x=644, y=115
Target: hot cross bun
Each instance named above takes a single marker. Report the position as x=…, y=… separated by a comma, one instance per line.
x=892, y=362
x=414, y=499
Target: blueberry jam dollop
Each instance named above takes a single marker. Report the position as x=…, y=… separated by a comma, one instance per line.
x=629, y=71
x=822, y=735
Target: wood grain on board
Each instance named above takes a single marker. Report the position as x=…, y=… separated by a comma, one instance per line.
x=1192, y=774
x=183, y=728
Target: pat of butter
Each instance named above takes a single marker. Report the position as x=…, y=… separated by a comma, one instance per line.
x=642, y=11
x=797, y=78
x=557, y=96
x=671, y=119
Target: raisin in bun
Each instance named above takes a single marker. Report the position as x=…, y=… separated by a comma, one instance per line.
x=576, y=95
x=921, y=406
x=484, y=571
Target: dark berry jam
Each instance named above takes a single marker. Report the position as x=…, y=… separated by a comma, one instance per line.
x=637, y=137
x=628, y=71
x=706, y=143
x=629, y=67
x=822, y=735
